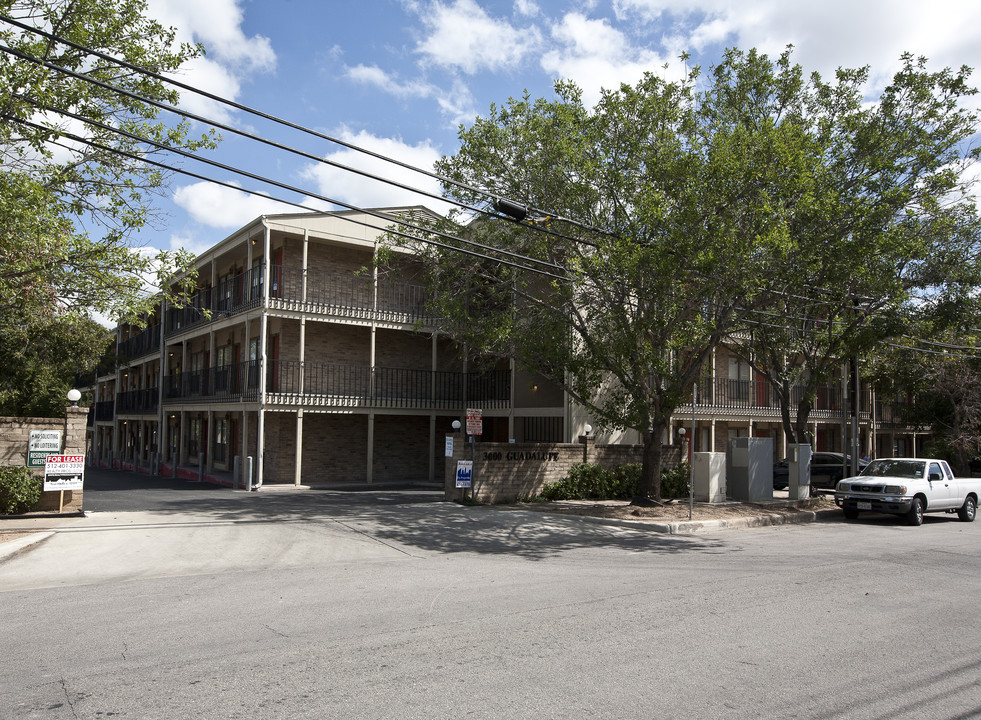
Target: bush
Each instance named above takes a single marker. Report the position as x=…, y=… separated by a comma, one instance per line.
x=675, y=482
x=587, y=481
x=20, y=490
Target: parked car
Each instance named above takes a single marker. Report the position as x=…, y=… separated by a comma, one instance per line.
x=908, y=487
x=827, y=469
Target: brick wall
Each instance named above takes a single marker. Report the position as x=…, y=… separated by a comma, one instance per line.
x=504, y=472
x=14, y=434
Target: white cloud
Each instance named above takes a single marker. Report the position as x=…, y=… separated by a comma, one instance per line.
x=826, y=35
x=231, y=55
x=374, y=75
x=596, y=55
x=462, y=35
x=222, y=207
x=365, y=192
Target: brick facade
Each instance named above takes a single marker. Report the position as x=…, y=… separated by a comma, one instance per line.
x=504, y=472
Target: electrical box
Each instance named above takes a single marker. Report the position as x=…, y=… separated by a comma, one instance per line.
x=749, y=469
x=799, y=472
x=709, y=470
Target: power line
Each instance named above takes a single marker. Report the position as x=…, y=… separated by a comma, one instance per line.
x=495, y=197
x=373, y=213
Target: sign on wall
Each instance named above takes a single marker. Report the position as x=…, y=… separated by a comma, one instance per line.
x=40, y=444
x=464, y=473
x=63, y=472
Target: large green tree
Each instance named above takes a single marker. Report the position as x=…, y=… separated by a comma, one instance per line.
x=41, y=357
x=679, y=218
x=884, y=231
x=69, y=208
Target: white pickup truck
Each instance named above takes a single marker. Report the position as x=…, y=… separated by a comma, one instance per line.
x=908, y=487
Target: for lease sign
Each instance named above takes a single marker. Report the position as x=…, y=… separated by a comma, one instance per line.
x=63, y=472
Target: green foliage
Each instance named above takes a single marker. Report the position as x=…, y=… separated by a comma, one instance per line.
x=678, y=218
x=40, y=358
x=68, y=209
x=675, y=482
x=588, y=481
x=20, y=490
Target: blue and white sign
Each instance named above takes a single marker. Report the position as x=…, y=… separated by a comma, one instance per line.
x=464, y=473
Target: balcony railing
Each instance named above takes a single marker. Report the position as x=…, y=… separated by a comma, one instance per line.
x=138, y=401
x=144, y=343
x=346, y=295
x=223, y=383
x=363, y=386
x=759, y=396
x=332, y=384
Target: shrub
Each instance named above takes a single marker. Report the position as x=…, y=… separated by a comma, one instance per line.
x=20, y=490
x=587, y=481
x=675, y=481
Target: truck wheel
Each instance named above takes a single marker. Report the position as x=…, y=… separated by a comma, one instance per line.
x=915, y=514
x=968, y=510
x=850, y=513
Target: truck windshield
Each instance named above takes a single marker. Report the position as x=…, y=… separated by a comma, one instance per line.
x=895, y=468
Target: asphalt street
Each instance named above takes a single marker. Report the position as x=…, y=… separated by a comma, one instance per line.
x=213, y=603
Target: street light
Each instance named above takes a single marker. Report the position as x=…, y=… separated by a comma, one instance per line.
x=74, y=396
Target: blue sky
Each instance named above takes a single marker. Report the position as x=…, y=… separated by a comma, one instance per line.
x=400, y=76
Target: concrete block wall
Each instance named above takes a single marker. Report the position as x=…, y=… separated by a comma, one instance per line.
x=14, y=435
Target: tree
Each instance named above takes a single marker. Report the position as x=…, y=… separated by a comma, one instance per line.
x=74, y=192
x=41, y=357
x=679, y=218
x=884, y=232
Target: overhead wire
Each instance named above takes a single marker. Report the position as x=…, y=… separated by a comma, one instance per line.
x=373, y=213
x=286, y=123
x=316, y=158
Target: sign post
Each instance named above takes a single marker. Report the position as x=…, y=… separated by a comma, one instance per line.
x=475, y=426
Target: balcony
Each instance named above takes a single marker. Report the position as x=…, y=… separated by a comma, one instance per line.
x=347, y=295
x=335, y=385
x=343, y=295
x=757, y=398
x=138, y=401
x=146, y=342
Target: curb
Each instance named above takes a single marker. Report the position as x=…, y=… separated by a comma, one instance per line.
x=13, y=547
x=692, y=527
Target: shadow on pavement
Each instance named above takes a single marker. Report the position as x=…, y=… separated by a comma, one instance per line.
x=412, y=518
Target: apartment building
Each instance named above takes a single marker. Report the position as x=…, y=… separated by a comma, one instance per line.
x=298, y=356
x=301, y=361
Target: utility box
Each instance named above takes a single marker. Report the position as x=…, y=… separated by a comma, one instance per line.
x=749, y=469
x=709, y=469
x=799, y=472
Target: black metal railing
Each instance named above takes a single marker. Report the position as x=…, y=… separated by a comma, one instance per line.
x=144, y=343
x=146, y=400
x=360, y=385
x=239, y=381
x=726, y=394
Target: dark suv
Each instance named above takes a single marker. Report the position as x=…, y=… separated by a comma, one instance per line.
x=827, y=468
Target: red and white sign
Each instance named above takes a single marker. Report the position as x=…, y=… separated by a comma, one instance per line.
x=475, y=421
x=63, y=472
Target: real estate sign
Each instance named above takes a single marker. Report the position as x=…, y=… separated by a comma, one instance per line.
x=464, y=473
x=63, y=472
x=40, y=444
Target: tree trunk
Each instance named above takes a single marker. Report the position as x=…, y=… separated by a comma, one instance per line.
x=803, y=413
x=650, y=472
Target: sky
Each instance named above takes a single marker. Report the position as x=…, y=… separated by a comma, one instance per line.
x=399, y=77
